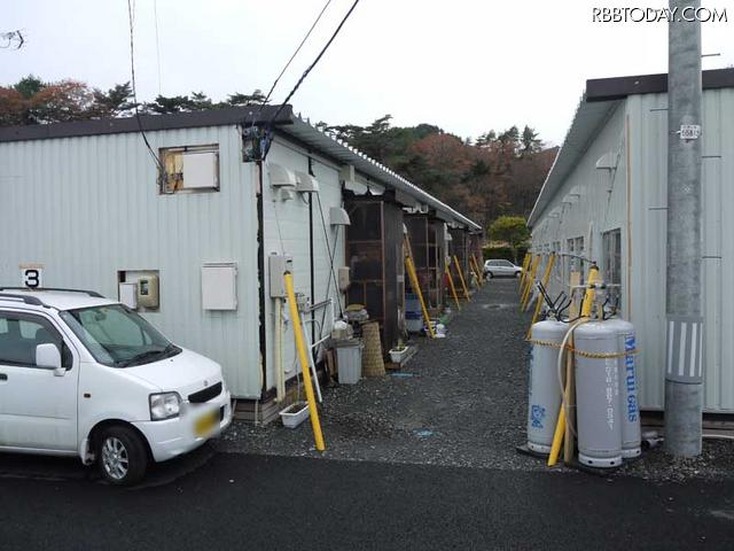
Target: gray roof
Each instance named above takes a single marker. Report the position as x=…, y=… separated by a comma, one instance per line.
x=283, y=120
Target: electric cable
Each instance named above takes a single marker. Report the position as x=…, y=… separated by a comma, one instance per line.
x=275, y=83
x=157, y=44
x=304, y=75
x=285, y=68
x=157, y=161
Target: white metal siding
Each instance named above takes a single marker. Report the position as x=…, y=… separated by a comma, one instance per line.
x=286, y=230
x=86, y=207
x=644, y=253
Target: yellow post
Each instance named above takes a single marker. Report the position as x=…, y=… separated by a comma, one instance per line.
x=546, y=279
x=525, y=272
x=303, y=360
x=525, y=269
x=461, y=278
x=472, y=270
x=557, y=438
x=530, y=281
x=588, y=302
x=477, y=269
x=416, y=287
x=453, y=287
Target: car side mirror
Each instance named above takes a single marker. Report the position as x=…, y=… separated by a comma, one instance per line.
x=48, y=355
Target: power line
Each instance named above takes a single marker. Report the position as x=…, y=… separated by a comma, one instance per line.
x=306, y=72
x=296, y=52
x=131, y=20
x=157, y=44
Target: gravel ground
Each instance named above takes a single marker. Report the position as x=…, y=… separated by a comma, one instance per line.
x=460, y=401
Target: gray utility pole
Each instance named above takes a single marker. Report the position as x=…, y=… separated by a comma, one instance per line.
x=684, y=369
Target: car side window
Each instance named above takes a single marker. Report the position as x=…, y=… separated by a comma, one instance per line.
x=21, y=333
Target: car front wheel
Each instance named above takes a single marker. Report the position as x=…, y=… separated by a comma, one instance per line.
x=490, y=275
x=121, y=456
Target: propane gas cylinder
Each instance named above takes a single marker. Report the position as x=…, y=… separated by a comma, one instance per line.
x=598, y=416
x=629, y=407
x=544, y=390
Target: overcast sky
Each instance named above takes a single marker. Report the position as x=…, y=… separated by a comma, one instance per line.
x=467, y=66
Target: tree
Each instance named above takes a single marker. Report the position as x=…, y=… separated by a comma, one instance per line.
x=242, y=100
x=511, y=229
x=29, y=86
x=529, y=141
x=115, y=102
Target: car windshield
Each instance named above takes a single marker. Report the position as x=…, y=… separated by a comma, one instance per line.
x=117, y=336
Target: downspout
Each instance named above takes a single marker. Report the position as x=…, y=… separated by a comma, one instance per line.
x=261, y=278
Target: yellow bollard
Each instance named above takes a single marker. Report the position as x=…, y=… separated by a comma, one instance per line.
x=303, y=360
x=461, y=278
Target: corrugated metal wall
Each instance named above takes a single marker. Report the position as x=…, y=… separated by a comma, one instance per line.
x=87, y=207
x=640, y=128
x=286, y=231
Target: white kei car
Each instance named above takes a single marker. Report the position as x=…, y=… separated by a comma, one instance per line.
x=81, y=375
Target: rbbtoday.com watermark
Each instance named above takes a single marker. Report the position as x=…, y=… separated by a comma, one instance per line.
x=687, y=14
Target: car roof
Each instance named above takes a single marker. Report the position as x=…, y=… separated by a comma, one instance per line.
x=61, y=299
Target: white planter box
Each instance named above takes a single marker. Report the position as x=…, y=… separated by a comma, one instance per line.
x=295, y=414
x=397, y=356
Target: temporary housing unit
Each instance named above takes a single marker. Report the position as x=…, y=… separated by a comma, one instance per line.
x=605, y=199
x=192, y=219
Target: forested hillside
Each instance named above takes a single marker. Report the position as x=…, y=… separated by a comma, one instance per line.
x=498, y=173
x=494, y=175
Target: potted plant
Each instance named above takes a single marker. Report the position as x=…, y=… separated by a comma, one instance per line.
x=399, y=352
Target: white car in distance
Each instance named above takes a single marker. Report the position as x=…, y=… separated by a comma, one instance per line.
x=501, y=268
x=82, y=375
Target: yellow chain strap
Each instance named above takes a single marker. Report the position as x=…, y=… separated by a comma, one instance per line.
x=583, y=353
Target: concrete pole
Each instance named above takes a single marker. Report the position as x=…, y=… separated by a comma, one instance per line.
x=684, y=369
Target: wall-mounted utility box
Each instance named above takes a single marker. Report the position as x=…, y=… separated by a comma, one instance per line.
x=219, y=286
x=278, y=264
x=127, y=293
x=139, y=289
x=148, y=291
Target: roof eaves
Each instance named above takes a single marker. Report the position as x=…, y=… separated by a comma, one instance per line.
x=347, y=154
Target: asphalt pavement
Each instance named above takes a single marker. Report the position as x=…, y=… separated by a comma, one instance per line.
x=242, y=501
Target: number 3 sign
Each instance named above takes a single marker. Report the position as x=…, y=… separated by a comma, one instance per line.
x=31, y=276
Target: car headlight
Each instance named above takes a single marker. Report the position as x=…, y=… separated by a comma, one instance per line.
x=164, y=405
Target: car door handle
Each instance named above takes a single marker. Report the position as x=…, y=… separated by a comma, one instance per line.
x=3, y=377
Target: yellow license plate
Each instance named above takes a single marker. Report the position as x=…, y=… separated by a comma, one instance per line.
x=206, y=423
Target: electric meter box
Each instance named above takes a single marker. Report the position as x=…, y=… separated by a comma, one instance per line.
x=278, y=264
x=148, y=291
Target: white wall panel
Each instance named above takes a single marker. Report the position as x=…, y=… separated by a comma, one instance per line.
x=86, y=207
